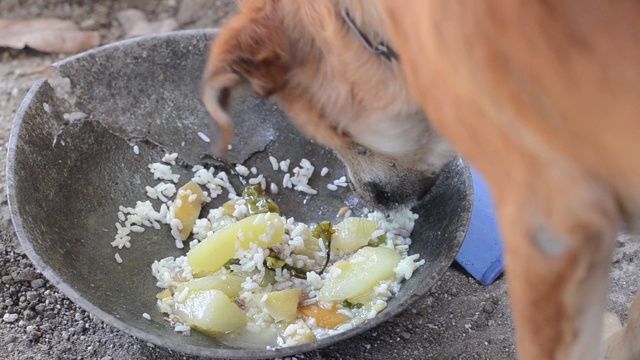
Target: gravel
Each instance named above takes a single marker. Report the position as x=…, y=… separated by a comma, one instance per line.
x=458, y=320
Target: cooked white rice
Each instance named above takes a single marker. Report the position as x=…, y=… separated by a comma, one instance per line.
x=172, y=271
x=204, y=137
x=284, y=165
x=274, y=163
x=170, y=158
x=163, y=172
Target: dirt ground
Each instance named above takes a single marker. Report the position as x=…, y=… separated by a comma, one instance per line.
x=458, y=320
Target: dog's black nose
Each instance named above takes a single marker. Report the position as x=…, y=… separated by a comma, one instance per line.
x=380, y=195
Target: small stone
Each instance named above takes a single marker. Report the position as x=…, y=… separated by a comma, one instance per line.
x=37, y=283
x=430, y=300
x=107, y=358
x=10, y=338
x=32, y=296
x=9, y=318
x=27, y=274
x=617, y=257
x=7, y=279
x=35, y=336
x=488, y=308
x=629, y=256
x=481, y=321
x=30, y=314
x=405, y=335
x=40, y=308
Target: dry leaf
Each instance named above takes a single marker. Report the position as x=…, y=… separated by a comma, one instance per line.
x=44, y=70
x=47, y=35
x=135, y=23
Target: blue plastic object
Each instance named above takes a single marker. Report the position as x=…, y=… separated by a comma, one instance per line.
x=481, y=251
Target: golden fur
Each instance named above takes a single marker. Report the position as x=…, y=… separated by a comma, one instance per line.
x=541, y=96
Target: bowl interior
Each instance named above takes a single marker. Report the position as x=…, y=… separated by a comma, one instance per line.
x=66, y=180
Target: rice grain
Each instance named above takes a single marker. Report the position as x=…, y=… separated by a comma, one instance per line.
x=204, y=137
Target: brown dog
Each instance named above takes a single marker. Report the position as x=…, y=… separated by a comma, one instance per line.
x=543, y=97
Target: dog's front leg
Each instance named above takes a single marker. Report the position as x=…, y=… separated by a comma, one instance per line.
x=625, y=344
x=559, y=226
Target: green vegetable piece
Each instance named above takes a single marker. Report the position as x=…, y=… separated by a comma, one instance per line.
x=349, y=305
x=324, y=231
x=228, y=264
x=258, y=202
x=380, y=240
x=273, y=262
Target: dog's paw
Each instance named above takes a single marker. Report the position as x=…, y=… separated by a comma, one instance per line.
x=610, y=325
x=612, y=335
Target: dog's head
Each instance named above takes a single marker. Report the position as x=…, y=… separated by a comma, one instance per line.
x=302, y=54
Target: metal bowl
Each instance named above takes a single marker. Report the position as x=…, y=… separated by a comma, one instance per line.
x=67, y=175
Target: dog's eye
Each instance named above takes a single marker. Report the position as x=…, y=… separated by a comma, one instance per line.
x=362, y=151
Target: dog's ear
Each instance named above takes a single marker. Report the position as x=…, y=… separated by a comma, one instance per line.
x=251, y=48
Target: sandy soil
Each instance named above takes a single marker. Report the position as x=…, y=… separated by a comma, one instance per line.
x=459, y=320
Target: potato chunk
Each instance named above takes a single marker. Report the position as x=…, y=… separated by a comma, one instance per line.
x=283, y=305
x=229, y=284
x=188, y=211
x=211, y=311
x=360, y=273
x=353, y=233
x=325, y=318
x=214, y=251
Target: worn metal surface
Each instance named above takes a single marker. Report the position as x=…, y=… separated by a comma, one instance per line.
x=66, y=181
